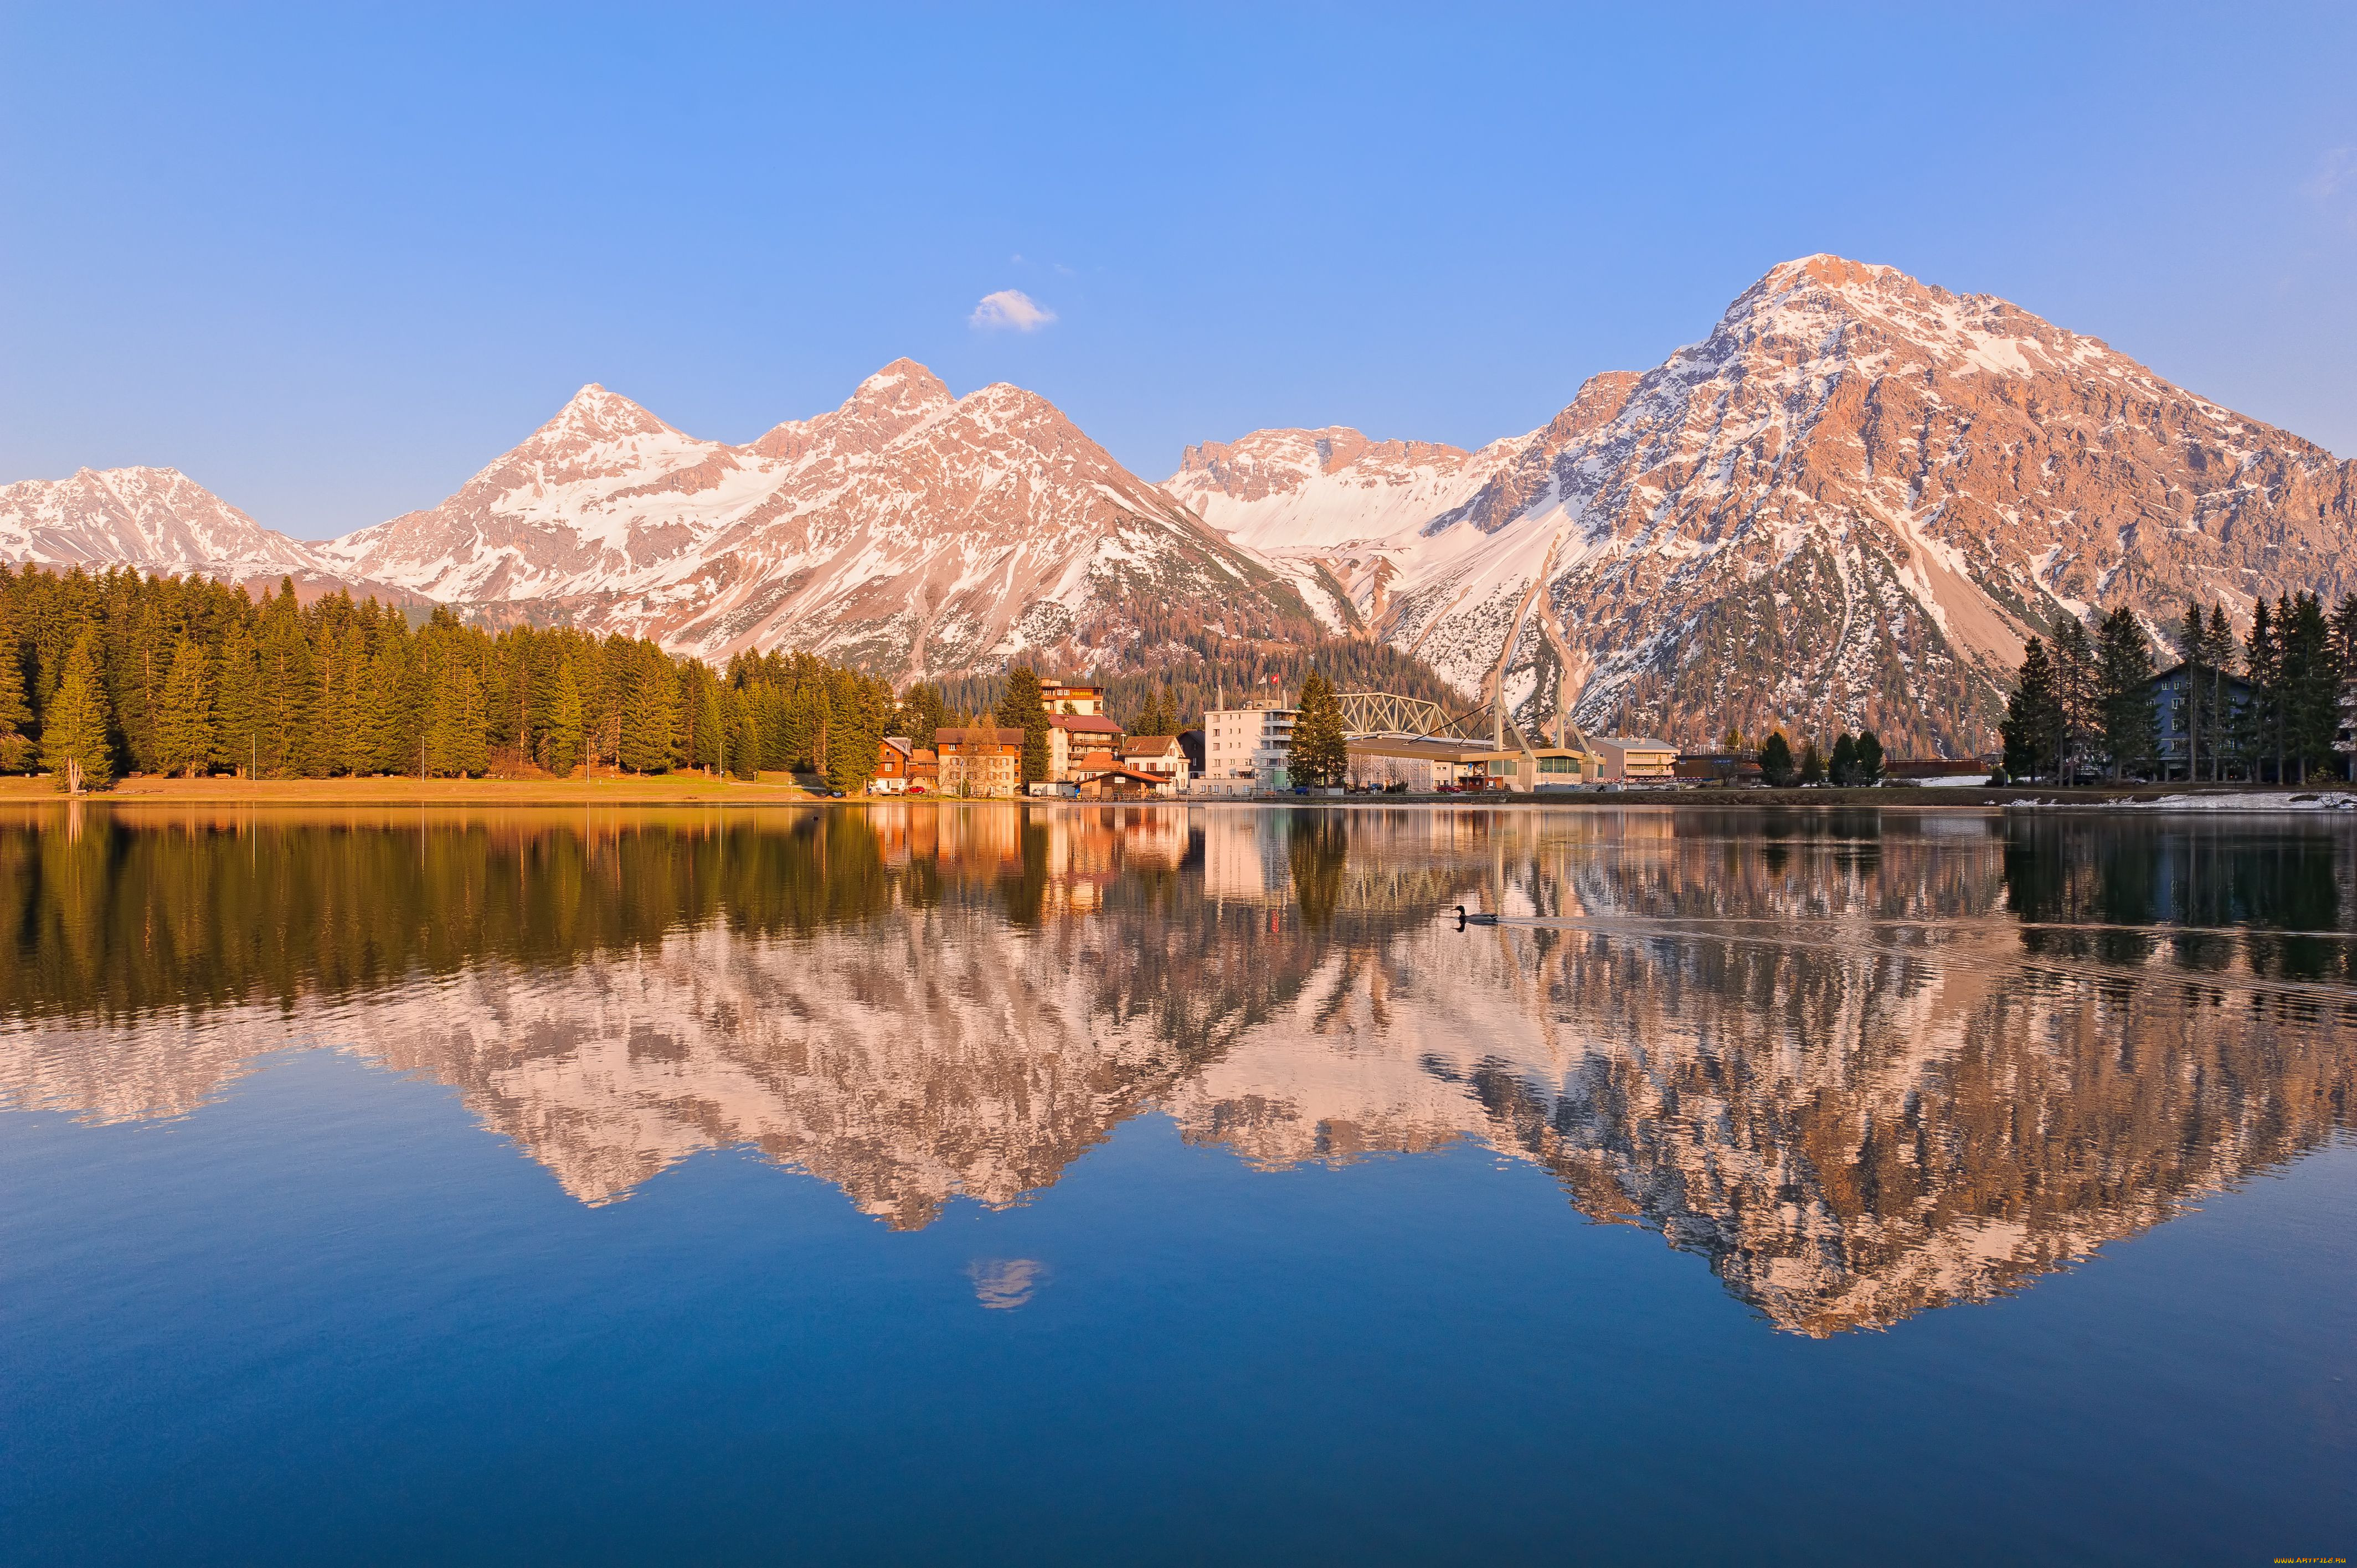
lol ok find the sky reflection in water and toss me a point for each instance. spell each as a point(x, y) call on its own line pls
point(1863, 1065)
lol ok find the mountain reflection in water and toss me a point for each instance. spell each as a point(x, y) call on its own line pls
point(1866, 1063)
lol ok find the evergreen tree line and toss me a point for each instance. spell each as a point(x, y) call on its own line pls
point(2086, 705)
point(1855, 760)
point(112, 672)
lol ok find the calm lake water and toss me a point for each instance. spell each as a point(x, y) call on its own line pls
point(986, 1184)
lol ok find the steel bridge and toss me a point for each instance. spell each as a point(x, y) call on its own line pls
point(1387, 712)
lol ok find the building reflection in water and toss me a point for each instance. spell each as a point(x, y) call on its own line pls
point(1865, 1063)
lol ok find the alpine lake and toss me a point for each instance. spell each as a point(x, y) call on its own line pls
point(1177, 1184)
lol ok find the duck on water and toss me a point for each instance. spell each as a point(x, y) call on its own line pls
point(1464, 919)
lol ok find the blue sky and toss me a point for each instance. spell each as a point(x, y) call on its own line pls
point(329, 262)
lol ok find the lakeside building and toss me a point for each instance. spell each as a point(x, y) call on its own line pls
point(1162, 755)
point(1077, 734)
point(2172, 699)
point(1637, 759)
point(1078, 698)
point(1420, 764)
point(892, 766)
point(924, 771)
point(980, 761)
point(1718, 768)
point(1540, 767)
point(1248, 748)
point(1101, 775)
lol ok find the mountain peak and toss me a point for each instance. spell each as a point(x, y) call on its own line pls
point(903, 383)
point(1838, 274)
point(602, 415)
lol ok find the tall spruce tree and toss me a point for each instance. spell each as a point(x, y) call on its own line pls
point(1843, 765)
point(1023, 708)
point(2311, 679)
point(2077, 716)
point(237, 699)
point(1320, 753)
point(16, 747)
point(2131, 725)
point(1866, 767)
point(2033, 724)
point(644, 745)
point(184, 730)
point(1776, 760)
point(560, 726)
point(2263, 664)
point(77, 739)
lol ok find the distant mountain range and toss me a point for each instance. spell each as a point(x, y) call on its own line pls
point(1848, 504)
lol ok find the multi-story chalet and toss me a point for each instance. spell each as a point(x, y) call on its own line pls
point(892, 766)
point(1161, 755)
point(1077, 734)
point(2201, 741)
point(924, 771)
point(980, 761)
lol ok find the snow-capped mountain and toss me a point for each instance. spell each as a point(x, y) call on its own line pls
point(914, 531)
point(1848, 504)
point(157, 519)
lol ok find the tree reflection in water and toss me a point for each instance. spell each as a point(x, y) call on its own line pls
point(1866, 1063)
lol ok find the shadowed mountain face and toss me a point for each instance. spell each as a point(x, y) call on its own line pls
point(1864, 1064)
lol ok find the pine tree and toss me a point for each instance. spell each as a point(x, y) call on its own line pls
point(184, 729)
point(2263, 662)
point(2033, 723)
point(16, 747)
point(237, 709)
point(1159, 716)
point(76, 738)
point(2344, 658)
point(382, 744)
point(2130, 726)
point(1023, 708)
point(1812, 764)
point(1320, 753)
point(2076, 709)
point(647, 721)
point(1866, 767)
point(921, 714)
point(560, 729)
point(1776, 760)
point(285, 693)
point(453, 743)
point(2311, 681)
point(1844, 767)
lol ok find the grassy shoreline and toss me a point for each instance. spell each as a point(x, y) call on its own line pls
point(780, 790)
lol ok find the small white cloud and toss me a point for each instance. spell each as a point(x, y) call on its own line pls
point(1010, 308)
point(1063, 271)
point(1017, 258)
point(2336, 174)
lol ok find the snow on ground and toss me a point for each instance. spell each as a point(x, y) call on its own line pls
point(2252, 801)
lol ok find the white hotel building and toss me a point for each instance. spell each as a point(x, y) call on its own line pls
point(1248, 748)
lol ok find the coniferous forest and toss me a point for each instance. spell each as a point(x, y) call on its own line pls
point(103, 674)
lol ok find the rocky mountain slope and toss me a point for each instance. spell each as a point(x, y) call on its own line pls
point(157, 520)
point(135, 516)
point(908, 531)
point(1847, 505)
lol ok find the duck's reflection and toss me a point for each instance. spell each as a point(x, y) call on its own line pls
point(1864, 1064)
